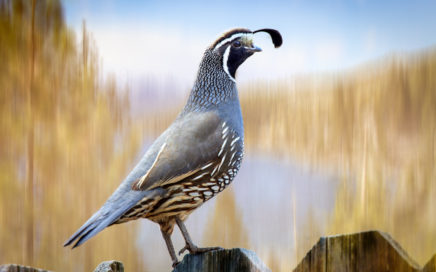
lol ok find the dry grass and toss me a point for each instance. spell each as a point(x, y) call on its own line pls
point(66, 124)
point(375, 126)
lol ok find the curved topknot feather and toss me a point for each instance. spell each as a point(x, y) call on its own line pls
point(276, 37)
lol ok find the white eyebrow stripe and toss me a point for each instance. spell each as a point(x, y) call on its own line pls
point(225, 66)
point(231, 38)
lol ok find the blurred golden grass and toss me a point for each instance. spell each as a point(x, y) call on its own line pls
point(225, 227)
point(57, 105)
point(375, 127)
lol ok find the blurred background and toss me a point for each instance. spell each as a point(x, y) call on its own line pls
point(340, 124)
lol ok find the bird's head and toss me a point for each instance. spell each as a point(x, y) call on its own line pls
point(236, 45)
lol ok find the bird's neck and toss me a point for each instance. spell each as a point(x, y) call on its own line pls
point(213, 86)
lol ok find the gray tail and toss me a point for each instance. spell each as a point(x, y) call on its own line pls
point(117, 205)
point(94, 225)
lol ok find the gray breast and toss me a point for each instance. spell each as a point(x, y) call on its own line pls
point(215, 176)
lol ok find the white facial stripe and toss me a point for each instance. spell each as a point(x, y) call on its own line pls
point(225, 58)
point(231, 38)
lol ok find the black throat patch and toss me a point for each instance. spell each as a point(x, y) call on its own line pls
point(236, 57)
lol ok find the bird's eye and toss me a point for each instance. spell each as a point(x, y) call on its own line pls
point(236, 44)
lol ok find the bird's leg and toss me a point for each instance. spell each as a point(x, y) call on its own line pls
point(193, 249)
point(170, 247)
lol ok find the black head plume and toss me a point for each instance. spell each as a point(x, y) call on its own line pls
point(236, 45)
point(274, 34)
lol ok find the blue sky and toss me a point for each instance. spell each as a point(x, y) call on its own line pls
point(166, 38)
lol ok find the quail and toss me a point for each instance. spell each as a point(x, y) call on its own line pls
point(195, 158)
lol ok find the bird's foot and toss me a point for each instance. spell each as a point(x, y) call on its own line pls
point(194, 249)
point(175, 263)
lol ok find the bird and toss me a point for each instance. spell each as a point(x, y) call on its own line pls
point(195, 158)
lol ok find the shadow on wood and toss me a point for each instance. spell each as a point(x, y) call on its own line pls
point(364, 251)
point(236, 259)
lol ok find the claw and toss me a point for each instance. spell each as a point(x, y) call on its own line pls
point(175, 264)
point(197, 250)
point(183, 249)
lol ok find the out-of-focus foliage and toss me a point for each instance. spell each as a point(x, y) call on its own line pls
point(376, 127)
point(225, 227)
point(82, 141)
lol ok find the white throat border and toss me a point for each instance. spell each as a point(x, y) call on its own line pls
point(225, 65)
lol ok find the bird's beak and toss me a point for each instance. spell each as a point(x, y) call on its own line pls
point(253, 49)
